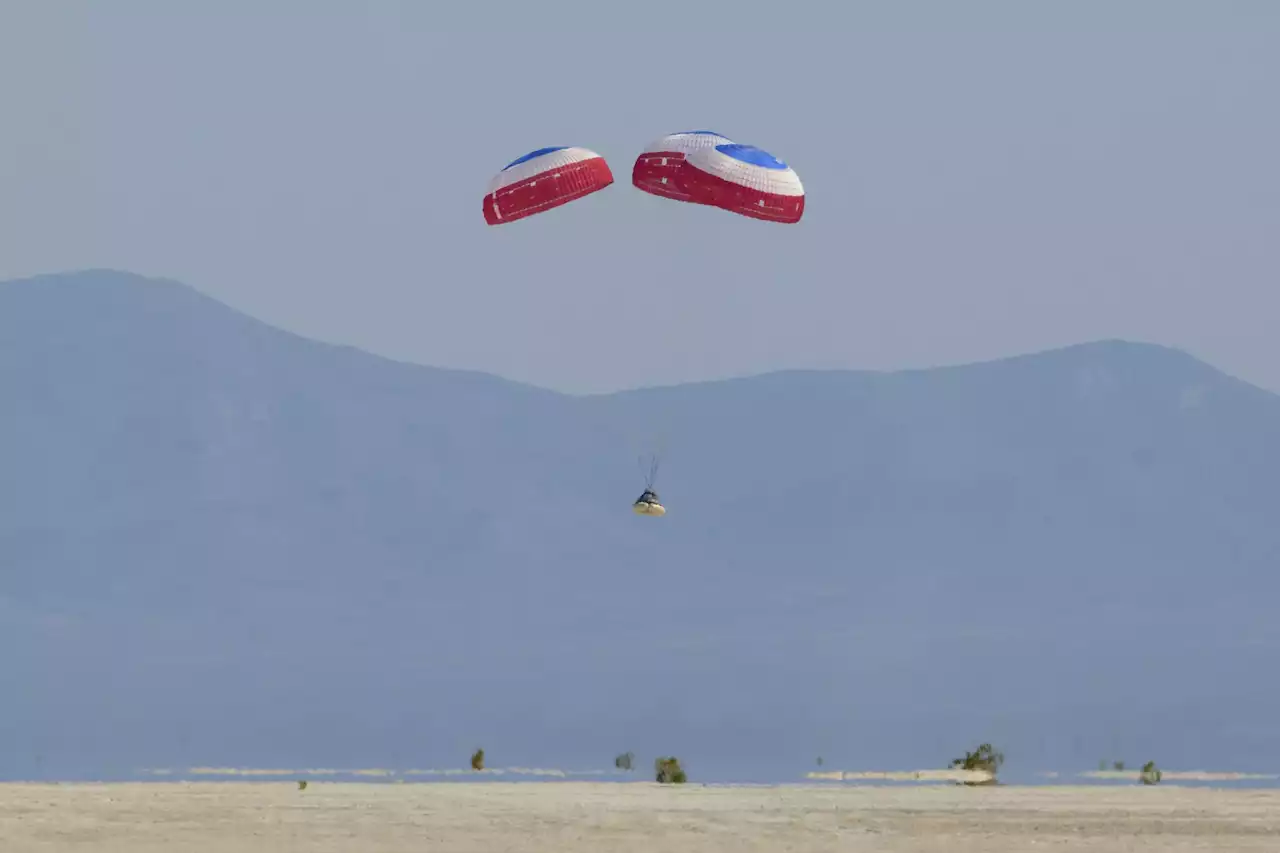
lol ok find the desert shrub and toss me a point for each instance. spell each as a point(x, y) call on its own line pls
point(302, 784)
point(624, 761)
point(1151, 774)
point(669, 771)
point(985, 757)
point(477, 760)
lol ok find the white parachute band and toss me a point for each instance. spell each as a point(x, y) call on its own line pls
point(686, 142)
point(547, 162)
point(772, 181)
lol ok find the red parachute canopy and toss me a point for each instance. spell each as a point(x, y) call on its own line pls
point(542, 180)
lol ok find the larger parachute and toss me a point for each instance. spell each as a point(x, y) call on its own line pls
point(542, 180)
point(746, 180)
point(659, 168)
point(706, 167)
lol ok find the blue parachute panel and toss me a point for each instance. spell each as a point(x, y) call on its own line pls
point(533, 154)
point(753, 155)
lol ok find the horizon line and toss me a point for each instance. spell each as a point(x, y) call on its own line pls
point(632, 389)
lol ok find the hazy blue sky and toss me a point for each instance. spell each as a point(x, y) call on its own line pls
point(983, 178)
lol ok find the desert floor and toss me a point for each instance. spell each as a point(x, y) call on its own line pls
point(607, 817)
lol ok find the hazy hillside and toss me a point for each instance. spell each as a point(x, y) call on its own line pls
point(222, 543)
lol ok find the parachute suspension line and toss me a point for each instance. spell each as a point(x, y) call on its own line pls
point(650, 472)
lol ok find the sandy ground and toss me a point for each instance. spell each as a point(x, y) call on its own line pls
point(572, 816)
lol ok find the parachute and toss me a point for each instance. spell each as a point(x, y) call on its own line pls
point(658, 169)
point(744, 179)
point(706, 167)
point(542, 180)
point(648, 502)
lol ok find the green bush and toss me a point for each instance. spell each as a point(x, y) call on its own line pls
point(985, 757)
point(1151, 774)
point(669, 771)
point(624, 761)
point(477, 760)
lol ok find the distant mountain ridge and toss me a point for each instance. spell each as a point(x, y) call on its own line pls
point(221, 543)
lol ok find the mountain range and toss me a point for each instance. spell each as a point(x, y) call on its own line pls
point(222, 543)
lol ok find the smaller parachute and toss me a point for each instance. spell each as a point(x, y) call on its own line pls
point(657, 170)
point(542, 180)
point(648, 502)
point(746, 180)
